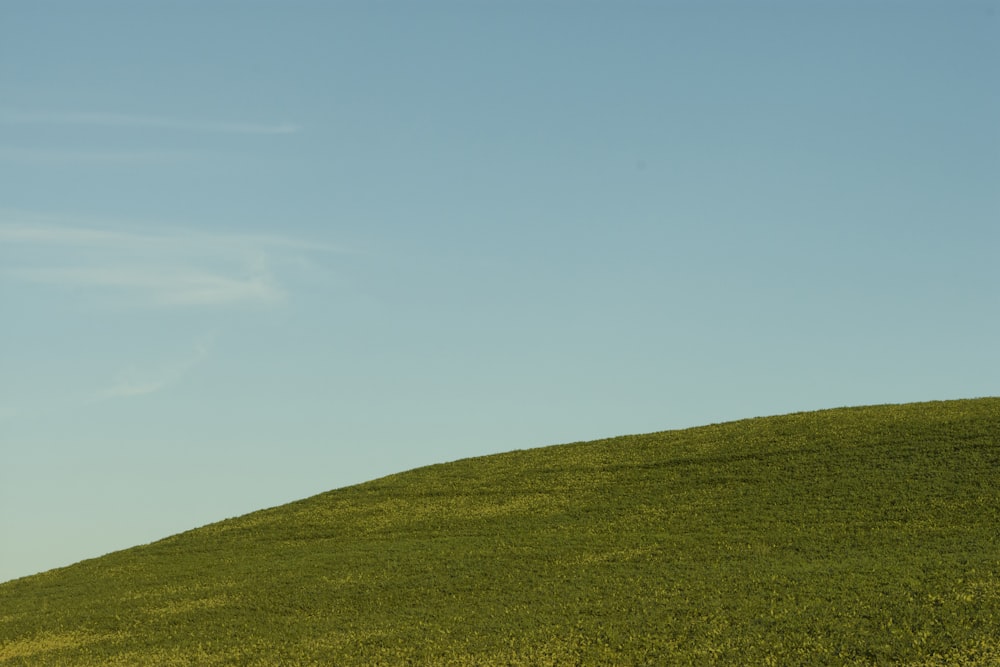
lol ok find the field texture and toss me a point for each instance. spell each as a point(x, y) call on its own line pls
point(854, 536)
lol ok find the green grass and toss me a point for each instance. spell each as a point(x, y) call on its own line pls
point(853, 536)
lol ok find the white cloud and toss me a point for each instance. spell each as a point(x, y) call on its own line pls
point(18, 227)
point(134, 381)
point(40, 232)
point(162, 286)
point(125, 386)
point(11, 116)
point(172, 267)
point(66, 157)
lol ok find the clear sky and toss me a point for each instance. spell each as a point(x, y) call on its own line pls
point(252, 251)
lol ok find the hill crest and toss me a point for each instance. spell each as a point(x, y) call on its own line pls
point(843, 536)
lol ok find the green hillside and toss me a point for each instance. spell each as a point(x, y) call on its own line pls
point(850, 536)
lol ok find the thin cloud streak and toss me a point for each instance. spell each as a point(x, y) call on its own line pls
point(25, 229)
point(61, 157)
point(58, 235)
point(127, 120)
point(133, 382)
point(174, 268)
point(162, 286)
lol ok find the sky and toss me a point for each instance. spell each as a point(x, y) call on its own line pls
point(253, 251)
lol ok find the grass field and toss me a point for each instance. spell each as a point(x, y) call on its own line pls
point(855, 536)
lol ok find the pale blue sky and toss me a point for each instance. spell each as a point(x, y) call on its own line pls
point(252, 251)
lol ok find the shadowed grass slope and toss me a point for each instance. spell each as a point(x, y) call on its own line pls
point(850, 536)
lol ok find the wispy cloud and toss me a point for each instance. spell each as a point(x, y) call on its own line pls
point(22, 229)
point(140, 381)
point(13, 116)
point(163, 286)
point(38, 156)
point(174, 268)
point(17, 226)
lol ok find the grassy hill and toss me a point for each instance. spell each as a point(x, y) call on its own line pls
point(850, 536)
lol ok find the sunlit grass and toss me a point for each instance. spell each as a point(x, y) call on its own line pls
point(843, 537)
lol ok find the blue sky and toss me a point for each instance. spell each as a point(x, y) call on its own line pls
point(252, 251)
